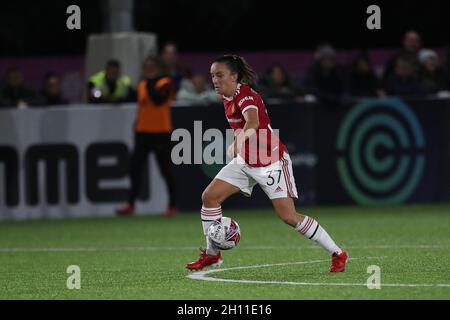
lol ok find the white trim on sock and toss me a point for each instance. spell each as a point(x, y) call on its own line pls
point(208, 209)
point(308, 227)
point(208, 216)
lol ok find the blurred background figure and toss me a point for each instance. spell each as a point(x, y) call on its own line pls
point(404, 81)
point(110, 86)
point(362, 81)
point(152, 131)
point(412, 43)
point(14, 92)
point(434, 79)
point(277, 84)
point(324, 77)
point(200, 92)
point(51, 93)
point(180, 73)
point(169, 56)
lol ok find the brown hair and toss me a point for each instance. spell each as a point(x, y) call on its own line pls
point(238, 65)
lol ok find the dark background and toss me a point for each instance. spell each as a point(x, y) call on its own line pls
point(30, 28)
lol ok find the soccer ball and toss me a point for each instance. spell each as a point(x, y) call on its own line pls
point(224, 233)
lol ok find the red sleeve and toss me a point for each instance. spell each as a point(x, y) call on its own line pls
point(246, 100)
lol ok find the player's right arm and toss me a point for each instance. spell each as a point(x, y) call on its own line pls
point(250, 127)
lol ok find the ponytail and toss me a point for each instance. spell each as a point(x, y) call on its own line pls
point(238, 65)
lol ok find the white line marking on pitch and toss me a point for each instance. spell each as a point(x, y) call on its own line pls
point(202, 275)
point(171, 248)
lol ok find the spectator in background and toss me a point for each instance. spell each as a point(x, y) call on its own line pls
point(404, 81)
point(51, 93)
point(186, 77)
point(14, 92)
point(434, 79)
point(200, 93)
point(362, 81)
point(169, 56)
point(324, 78)
point(412, 43)
point(109, 86)
point(320, 49)
point(278, 85)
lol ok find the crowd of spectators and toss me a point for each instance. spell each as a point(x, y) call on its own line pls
point(15, 93)
point(413, 71)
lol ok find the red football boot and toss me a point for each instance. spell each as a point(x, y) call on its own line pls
point(170, 212)
point(128, 209)
point(205, 260)
point(338, 262)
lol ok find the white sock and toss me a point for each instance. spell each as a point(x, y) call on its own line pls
point(209, 215)
point(311, 229)
point(211, 248)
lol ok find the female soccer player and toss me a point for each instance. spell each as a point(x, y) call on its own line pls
point(259, 157)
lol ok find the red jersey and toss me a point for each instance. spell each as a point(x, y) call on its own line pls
point(264, 147)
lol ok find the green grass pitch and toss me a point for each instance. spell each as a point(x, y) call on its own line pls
point(143, 257)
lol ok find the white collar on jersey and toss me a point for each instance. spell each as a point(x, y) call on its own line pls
point(238, 88)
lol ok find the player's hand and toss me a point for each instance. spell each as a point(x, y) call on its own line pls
point(231, 152)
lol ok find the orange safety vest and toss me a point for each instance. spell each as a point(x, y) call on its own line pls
point(152, 118)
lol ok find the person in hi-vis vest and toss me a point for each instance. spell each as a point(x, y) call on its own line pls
point(109, 86)
point(153, 130)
